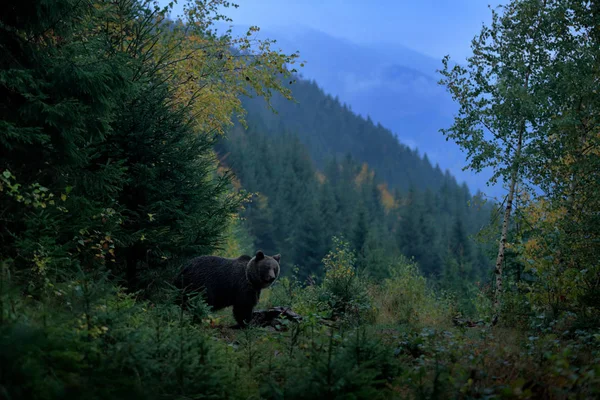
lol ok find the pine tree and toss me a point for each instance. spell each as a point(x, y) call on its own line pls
point(361, 229)
point(378, 253)
point(59, 92)
point(328, 212)
point(409, 237)
point(430, 260)
point(309, 241)
point(260, 224)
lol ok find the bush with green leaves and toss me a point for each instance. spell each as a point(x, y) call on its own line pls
point(343, 290)
point(406, 298)
point(286, 291)
point(499, 363)
point(341, 364)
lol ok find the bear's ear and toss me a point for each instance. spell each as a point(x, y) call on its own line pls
point(277, 257)
point(259, 255)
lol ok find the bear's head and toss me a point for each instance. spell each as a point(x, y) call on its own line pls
point(262, 270)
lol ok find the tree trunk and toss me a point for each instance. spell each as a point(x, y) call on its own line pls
point(502, 247)
point(511, 194)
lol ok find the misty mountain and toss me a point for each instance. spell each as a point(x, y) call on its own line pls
point(394, 86)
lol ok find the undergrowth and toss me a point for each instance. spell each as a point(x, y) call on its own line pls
point(86, 338)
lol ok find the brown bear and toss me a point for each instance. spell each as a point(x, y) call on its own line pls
point(228, 282)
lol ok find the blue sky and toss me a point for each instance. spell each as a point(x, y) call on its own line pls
point(432, 27)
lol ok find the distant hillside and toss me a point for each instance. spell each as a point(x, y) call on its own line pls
point(329, 128)
point(395, 86)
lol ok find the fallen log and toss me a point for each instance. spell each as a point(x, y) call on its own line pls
point(274, 317)
point(463, 322)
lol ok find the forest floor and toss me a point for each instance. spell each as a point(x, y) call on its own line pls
point(430, 361)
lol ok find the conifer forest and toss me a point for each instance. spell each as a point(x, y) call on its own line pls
point(132, 142)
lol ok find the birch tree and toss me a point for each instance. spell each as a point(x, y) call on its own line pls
point(497, 116)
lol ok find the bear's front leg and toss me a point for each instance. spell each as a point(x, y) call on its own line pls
point(242, 315)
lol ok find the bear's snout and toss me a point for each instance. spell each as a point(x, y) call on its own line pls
point(270, 277)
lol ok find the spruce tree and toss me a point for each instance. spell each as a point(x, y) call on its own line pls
point(360, 229)
point(59, 92)
point(175, 206)
point(259, 218)
point(409, 237)
point(328, 212)
point(309, 240)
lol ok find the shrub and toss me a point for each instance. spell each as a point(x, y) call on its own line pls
point(343, 291)
point(405, 297)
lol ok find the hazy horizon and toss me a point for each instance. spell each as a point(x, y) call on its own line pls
point(431, 27)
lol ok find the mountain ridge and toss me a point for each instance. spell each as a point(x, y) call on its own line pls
point(330, 128)
point(395, 87)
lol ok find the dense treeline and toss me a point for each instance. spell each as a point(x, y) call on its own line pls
point(297, 209)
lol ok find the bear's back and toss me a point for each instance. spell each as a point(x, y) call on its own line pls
point(223, 279)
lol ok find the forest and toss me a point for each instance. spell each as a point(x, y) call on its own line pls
point(132, 142)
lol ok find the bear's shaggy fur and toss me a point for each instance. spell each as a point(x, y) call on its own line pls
point(228, 282)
